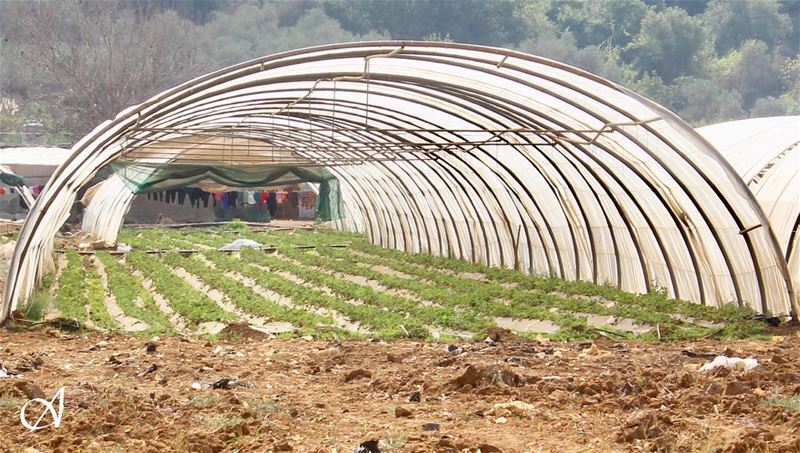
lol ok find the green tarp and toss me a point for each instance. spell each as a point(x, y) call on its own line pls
point(10, 179)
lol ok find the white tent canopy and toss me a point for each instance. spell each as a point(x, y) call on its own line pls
point(484, 154)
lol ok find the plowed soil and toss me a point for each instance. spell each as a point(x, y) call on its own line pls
point(266, 394)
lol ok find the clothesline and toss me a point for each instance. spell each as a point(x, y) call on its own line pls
point(227, 200)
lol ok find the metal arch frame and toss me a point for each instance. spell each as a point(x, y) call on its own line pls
point(100, 148)
point(659, 240)
point(666, 256)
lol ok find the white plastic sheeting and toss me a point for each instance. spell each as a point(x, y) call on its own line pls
point(766, 152)
point(484, 154)
point(106, 210)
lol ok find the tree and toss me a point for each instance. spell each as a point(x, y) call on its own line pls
point(599, 22)
point(564, 49)
point(703, 101)
point(670, 44)
point(253, 31)
point(91, 60)
point(732, 22)
point(652, 87)
point(475, 21)
point(790, 74)
point(751, 71)
point(770, 106)
point(692, 7)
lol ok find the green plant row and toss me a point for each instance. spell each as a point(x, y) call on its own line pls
point(79, 286)
point(655, 300)
point(36, 306)
point(193, 305)
point(465, 303)
point(469, 307)
point(96, 298)
point(456, 299)
point(432, 316)
point(653, 307)
point(242, 296)
point(494, 290)
point(71, 295)
point(385, 324)
point(127, 288)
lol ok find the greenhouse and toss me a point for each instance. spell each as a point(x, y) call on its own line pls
point(483, 154)
point(766, 153)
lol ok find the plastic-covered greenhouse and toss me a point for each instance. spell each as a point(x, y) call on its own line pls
point(766, 153)
point(483, 154)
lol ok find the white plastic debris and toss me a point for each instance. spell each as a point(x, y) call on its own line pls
point(239, 244)
point(124, 248)
point(734, 363)
point(197, 385)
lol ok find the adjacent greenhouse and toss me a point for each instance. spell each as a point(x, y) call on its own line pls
point(483, 154)
point(766, 153)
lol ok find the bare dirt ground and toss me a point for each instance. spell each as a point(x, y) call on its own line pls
point(266, 394)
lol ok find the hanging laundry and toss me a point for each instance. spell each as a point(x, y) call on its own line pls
point(193, 198)
point(308, 200)
point(272, 204)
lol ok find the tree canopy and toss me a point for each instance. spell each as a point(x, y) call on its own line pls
point(70, 64)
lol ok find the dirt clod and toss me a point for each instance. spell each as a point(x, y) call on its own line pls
point(500, 335)
point(369, 446)
point(357, 374)
point(204, 444)
point(30, 390)
point(241, 330)
point(736, 388)
point(644, 425)
point(478, 375)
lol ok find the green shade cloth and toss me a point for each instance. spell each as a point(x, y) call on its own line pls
point(145, 177)
point(10, 179)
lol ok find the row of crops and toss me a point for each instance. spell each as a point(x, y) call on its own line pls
point(330, 284)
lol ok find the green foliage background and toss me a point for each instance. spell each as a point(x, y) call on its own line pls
point(72, 64)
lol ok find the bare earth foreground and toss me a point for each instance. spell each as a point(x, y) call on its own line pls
point(187, 394)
